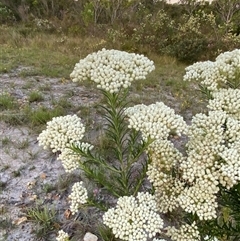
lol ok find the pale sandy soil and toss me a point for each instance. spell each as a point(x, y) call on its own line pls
point(24, 171)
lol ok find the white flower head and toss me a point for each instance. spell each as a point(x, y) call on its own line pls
point(227, 100)
point(156, 120)
point(167, 190)
point(62, 236)
point(78, 197)
point(61, 132)
point(112, 69)
point(230, 169)
point(206, 140)
point(69, 159)
point(213, 75)
point(134, 218)
point(200, 199)
point(184, 232)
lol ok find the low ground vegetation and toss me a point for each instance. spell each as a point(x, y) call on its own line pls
point(188, 30)
point(163, 156)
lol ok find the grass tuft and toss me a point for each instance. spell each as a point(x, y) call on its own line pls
point(44, 217)
point(35, 96)
point(7, 102)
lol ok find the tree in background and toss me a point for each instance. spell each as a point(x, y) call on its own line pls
point(190, 30)
point(227, 9)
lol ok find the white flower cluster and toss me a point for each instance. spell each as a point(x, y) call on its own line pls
point(213, 74)
point(69, 159)
point(185, 233)
point(213, 158)
point(200, 168)
point(112, 69)
point(230, 169)
point(134, 218)
point(200, 199)
point(229, 64)
point(232, 132)
point(167, 189)
point(206, 141)
point(164, 155)
point(61, 132)
point(156, 120)
point(226, 100)
point(78, 197)
point(62, 236)
point(84, 146)
point(206, 73)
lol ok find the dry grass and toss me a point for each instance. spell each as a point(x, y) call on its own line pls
point(51, 55)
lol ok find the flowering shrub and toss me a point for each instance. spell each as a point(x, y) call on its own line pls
point(192, 182)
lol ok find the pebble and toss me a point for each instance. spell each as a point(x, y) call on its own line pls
point(90, 237)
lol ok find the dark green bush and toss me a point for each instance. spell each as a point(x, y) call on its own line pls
point(189, 49)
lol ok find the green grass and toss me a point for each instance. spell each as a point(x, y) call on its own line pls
point(46, 55)
point(45, 87)
point(5, 141)
point(35, 96)
point(44, 217)
point(20, 145)
point(63, 102)
point(42, 115)
point(7, 102)
point(3, 185)
point(43, 52)
point(58, 64)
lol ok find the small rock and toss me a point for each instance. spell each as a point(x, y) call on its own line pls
point(90, 237)
point(4, 178)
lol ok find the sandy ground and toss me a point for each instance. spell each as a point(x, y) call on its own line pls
point(26, 169)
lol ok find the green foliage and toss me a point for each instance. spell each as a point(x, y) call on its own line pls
point(6, 15)
point(188, 48)
point(5, 141)
point(44, 217)
point(161, 25)
point(42, 115)
point(7, 102)
point(23, 144)
point(227, 226)
point(106, 233)
point(88, 13)
point(116, 175)
point(35, 96)
point(188, 31)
